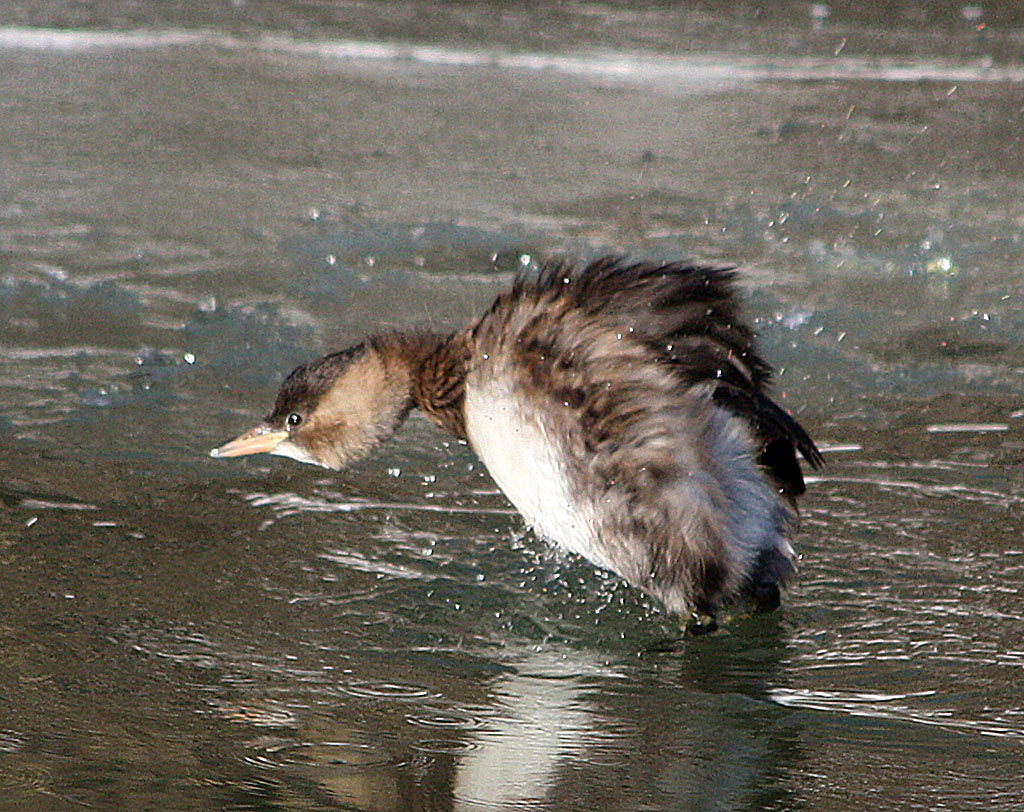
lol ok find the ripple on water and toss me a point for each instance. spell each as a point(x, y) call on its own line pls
point(11, 741)
point(443, 747)
point(361, 755)
point(393, 691)
point(890, 706)
point(446, 720)
point(262, 715)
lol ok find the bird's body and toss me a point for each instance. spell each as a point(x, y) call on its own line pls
point(621, 408)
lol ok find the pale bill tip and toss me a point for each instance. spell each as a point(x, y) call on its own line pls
point(258, 440)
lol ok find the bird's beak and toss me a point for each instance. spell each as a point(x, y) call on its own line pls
point(259, 440)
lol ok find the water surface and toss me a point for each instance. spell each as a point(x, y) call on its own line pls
point(189, 205)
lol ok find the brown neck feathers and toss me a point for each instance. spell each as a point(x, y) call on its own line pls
point(436, 365)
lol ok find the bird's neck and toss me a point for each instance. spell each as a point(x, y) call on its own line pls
point(433, 366)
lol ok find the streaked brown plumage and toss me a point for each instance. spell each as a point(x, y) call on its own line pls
point(621, 407)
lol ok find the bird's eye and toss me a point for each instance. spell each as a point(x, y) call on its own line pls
point(294, 420)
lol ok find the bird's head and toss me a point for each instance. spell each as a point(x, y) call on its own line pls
point(332, 411)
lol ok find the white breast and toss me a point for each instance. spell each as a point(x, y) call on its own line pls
point(526, 464)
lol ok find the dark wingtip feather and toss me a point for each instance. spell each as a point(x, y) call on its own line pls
point(616, 270)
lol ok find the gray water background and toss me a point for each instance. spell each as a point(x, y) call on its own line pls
point(194, 197)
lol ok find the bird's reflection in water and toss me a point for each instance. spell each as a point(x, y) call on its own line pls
point(566, 730)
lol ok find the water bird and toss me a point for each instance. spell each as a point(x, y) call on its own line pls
point(621, 407)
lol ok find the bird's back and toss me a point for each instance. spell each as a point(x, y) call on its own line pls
point(621, 407)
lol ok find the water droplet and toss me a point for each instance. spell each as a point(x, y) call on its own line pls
point(943, 266)
point(972, 13)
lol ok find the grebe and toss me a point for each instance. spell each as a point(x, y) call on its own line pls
point(620, 407)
